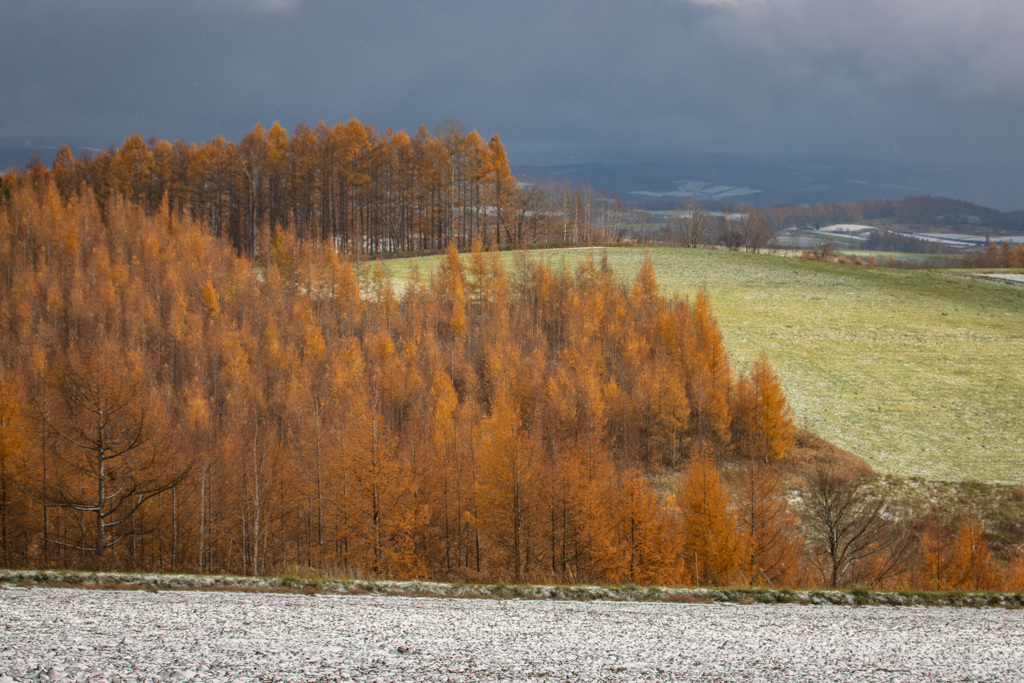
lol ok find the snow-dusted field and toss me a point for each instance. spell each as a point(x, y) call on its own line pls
point(61, 634)
point(1012, 277)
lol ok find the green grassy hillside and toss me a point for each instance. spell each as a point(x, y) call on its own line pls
point(921, 373)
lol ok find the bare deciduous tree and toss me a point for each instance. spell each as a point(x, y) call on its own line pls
point(846, 524)
point(696, 225)
point(756, 234)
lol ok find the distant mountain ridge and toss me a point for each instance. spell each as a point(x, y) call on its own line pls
point(919, 214)
point(718, 178)
point(19, 152)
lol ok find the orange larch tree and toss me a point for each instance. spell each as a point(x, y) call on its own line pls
point(763, 422)
point(936, 548)
point(711, 545)
point(382, 516)
point(771, 539)
point(501, 192)
point(507, 471)
point(971, 561)
point(13, 505)
point(647, 549)
point(111, 451)
point(709, 377)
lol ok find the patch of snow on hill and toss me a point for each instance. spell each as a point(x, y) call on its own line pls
point(1009, 277)
point(700, 190)
point(847, 228)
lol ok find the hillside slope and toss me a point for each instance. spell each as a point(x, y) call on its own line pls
point(918, 372)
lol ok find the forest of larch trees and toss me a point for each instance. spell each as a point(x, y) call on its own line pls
point(201, 371)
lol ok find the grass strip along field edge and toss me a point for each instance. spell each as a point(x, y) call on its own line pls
point(855, 597)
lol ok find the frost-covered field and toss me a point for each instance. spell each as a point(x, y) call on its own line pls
point(78, 635)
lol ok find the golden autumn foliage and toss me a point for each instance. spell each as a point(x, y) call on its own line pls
point(506, 479)
point(711, 544)
point(481, 423)
point(1014, 580)
point(765, 427)
point(648, 544)
point(771, 543)
point(971, 561)
point(363, 190)
point(474, 426)
point(11, 445)
point(709, 376)
point(936, 547)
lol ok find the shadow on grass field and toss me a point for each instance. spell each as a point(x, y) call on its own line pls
point(918, 372)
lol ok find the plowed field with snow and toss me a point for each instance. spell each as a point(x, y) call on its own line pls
point(56, 634)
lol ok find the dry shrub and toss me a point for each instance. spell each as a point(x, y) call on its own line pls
point(301, 571)
point(810, 451)
point(678, 596)
point(329, 572)
point(477, 595)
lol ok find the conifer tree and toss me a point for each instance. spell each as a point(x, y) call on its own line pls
point(711, 546)
point(763, 421)
point(970, 557)
point(11, 445)
point(648, 550)
point(505, 487)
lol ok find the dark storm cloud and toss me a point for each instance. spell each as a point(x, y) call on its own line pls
point(908, 80)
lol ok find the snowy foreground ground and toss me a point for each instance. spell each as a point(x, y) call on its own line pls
point(60, 634)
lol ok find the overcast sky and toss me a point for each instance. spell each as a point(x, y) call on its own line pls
point(933, 81)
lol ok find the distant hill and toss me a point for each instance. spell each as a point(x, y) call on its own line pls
point(734, 179)
point(718, 178)
point(18, 152)
point(921, 214)
point(795, 192)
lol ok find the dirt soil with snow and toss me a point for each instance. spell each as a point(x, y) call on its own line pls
point(61, 634)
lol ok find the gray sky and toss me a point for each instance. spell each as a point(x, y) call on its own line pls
point(919, 81)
